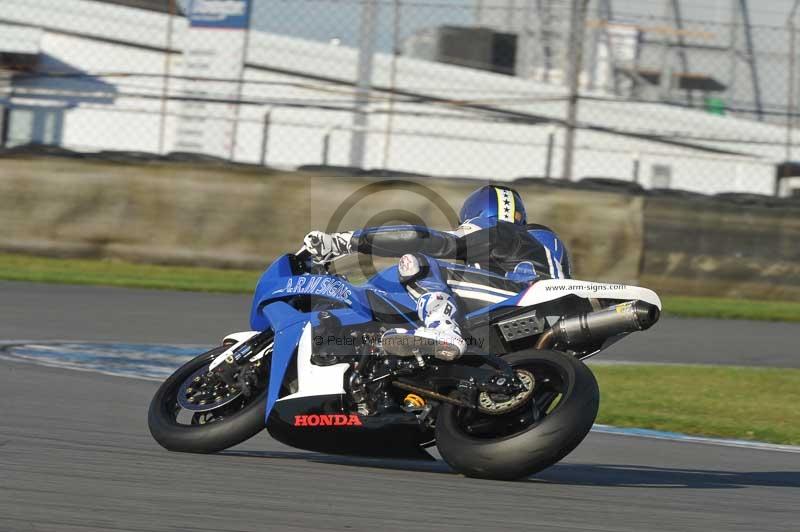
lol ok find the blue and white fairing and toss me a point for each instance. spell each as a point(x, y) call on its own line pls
point(279, 283)
point(292, 327)
point(320, 389)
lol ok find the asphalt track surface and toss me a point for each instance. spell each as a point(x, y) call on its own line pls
point(88, 313)
point(76, 455)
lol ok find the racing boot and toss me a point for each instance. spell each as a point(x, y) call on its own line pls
point(440, 337)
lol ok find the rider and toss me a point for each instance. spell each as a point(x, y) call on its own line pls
point(504, 251)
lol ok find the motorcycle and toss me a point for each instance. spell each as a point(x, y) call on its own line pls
point(312, 372)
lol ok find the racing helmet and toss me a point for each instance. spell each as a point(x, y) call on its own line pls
point(494, 201)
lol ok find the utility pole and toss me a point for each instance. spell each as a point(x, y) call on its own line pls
point(240, 84)
point(366, 50)
point(751, 57)
point(574, 58)
point(166, 79)
point(791, 99)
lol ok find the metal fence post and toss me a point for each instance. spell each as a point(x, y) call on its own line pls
point(548, 164)
point(326, 144)
point(387, 141)
point(240, 82)
point(5, 124)
point(574, 58)
point(366, 50)
point(167, 76)
point(265, 135)
point(790, 104)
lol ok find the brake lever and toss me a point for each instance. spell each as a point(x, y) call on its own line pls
point(307, 257)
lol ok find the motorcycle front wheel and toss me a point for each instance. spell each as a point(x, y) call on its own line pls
point(507, 438)
point(194, 412)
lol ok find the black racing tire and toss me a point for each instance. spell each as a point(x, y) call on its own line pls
point(208, 438)
point(533, 448)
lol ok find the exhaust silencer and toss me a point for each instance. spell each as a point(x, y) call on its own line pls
point(595, 327)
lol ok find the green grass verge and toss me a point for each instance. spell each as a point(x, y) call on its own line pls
point(731, 402)
point(117, 273)
point(717, 307)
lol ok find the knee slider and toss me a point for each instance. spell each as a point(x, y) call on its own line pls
point(412, 267)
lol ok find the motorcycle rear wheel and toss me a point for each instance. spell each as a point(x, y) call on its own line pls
point(234, 424)
point(529, 439)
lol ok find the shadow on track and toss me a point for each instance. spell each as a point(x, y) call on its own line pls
point(423, 466)
point(606, 475)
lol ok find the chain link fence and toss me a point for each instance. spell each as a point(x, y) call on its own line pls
point(668, 94)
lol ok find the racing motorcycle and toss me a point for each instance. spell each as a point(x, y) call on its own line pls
point(312, 372)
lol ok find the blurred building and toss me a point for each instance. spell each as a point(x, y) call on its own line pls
point(678, 51)
point(114, 75)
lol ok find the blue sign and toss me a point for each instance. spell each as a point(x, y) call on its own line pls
point(226, 14)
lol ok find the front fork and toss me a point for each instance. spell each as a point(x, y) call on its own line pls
point(245, 347)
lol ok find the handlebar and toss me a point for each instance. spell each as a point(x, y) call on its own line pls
point(305, 258)
point(303, 254)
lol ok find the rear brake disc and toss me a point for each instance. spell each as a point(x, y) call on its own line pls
point(496, 404)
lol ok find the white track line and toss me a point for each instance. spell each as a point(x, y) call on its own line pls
point(686, 438)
